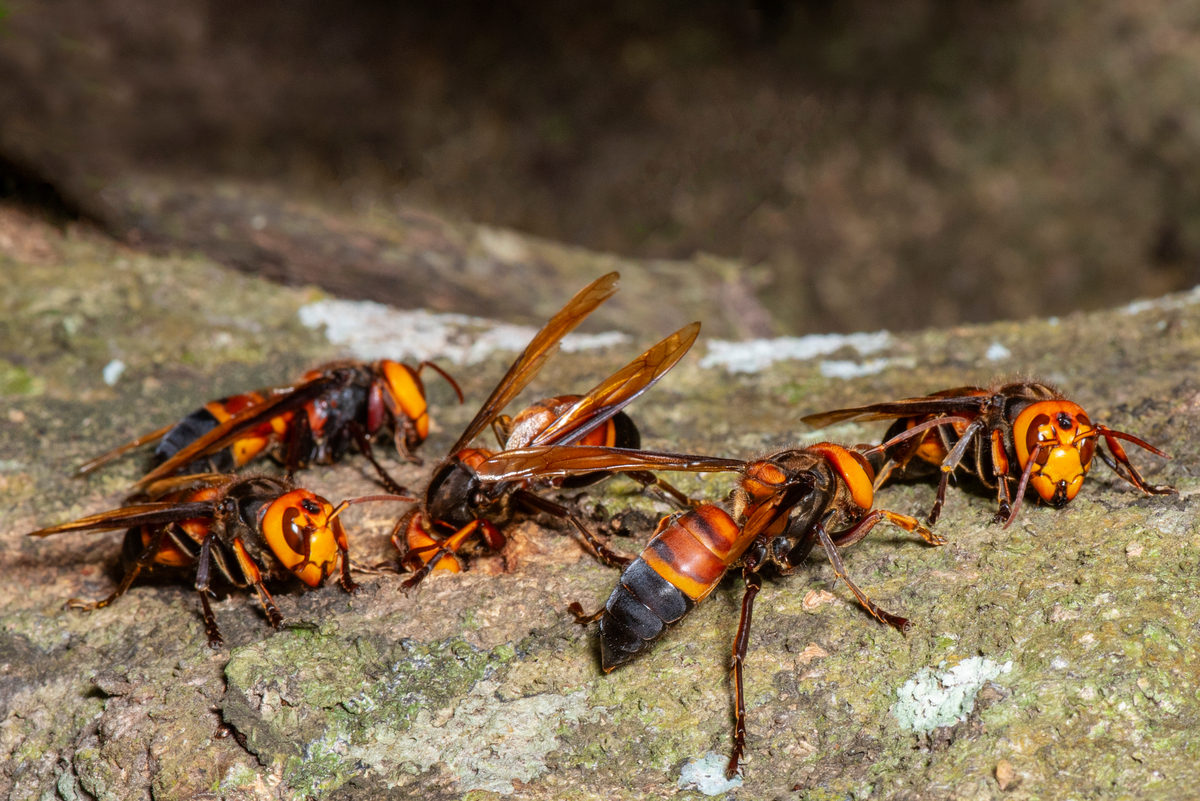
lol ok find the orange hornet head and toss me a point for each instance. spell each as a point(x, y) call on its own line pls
point(298, 528)
point(404, 394)
point(1066, 443)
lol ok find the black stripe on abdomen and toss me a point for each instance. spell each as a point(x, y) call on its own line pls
point(185, 432)
point(640, 610)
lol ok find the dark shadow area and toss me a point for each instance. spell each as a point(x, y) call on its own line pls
point(873, 164)
point(31, 192)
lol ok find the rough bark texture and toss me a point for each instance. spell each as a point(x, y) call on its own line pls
point(480, 683)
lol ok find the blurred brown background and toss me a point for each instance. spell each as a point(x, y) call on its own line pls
point(870, 163)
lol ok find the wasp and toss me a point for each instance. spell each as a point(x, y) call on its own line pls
point(251, 528)
point(1025, 432)
point(787, 502)
point(457, 507)
point(312, 421)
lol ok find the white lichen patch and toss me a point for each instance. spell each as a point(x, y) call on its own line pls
point(503, 246)
point(369, 331)
point(707, 774)
point(1171, 522)
point(932, 699)
point(755, 355)
point(1178, 300)
point(112, 372)
point(848, 369)
point(518, 735)
point(997, 352)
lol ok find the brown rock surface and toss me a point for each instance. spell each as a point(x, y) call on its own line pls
point(480, 683)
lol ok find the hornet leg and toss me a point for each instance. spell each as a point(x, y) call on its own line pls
point(364, 445)
point(863, 527)
point(202, 579)
point(254, 578)
point(602, 552)
point(839, 570)
point(753, 585)
point(144, 559)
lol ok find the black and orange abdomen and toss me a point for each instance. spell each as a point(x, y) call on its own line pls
point(617, 432)
point(181, 544)
point(679, 567)
point(170, 555)
point(211, 415)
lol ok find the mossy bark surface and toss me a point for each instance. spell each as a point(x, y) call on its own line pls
point(479, 684)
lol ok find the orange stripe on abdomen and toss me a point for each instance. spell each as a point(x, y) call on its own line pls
point(695, 550)
point(716, 531)
point(605, 436)
point(227, 407)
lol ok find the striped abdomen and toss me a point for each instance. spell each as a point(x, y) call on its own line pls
point(680, 566)
point(211, 415)
point(181, 545)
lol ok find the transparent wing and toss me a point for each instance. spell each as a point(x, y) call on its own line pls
point(146, 514)
point(618, 390)
point(543, 346)
point(287, 399)
point(567, 460)
point(942, 403)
